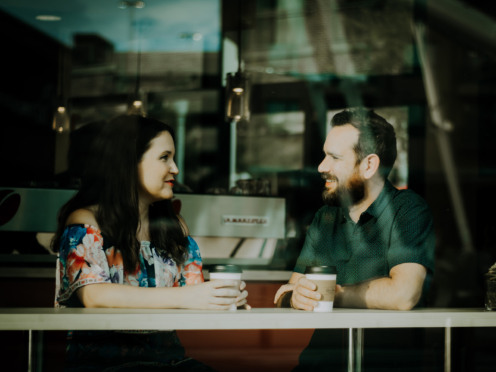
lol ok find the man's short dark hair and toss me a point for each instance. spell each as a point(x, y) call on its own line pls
point(376, 136)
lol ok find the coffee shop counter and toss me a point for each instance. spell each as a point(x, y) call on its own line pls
point(49, 273)
point(256, 318)
point(355, 320)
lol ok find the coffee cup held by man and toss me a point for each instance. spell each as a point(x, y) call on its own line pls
point(380, 239)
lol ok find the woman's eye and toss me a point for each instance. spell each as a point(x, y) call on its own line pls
point(165, 157)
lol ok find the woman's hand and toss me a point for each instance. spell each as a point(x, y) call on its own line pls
point(241, 299)
point(213, 295)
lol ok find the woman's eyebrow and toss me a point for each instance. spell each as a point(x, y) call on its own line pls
point(166, 152)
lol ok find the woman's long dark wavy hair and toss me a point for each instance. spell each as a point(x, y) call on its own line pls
point(110, 182)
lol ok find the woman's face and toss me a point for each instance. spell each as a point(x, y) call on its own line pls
point(157, 170)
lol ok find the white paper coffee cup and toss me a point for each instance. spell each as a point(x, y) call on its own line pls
point(219, 272)
point(324, 277)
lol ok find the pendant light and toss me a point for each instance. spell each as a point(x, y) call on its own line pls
point(61, 120)
point(137, 102)
point(238, 86)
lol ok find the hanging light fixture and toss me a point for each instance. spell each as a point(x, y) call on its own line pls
point(237, 96)
point(137, 103)
point(61, 120)
point(238, 86)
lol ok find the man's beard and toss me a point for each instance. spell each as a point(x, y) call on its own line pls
point(347, 194)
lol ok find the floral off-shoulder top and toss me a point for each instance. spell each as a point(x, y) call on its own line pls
point(86, 257)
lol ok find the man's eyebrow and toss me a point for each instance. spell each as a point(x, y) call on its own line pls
point(332, 154)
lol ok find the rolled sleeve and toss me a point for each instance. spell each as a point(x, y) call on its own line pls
point(412, 238)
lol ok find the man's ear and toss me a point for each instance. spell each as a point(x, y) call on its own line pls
point(370, 166)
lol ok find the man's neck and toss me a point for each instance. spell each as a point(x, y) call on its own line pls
point(372, 190)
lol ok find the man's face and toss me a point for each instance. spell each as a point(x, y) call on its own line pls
point(345, 186)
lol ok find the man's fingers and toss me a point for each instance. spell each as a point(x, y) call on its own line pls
point(309, 293)
point(304, 282)
point(301, 306)
point(306, 301)
point(279, 292)
point(285, 288)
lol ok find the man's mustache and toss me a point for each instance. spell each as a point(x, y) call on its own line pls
point(328, 176)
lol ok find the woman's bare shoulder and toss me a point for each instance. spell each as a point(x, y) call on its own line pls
point(183, 225)
point(83, 216)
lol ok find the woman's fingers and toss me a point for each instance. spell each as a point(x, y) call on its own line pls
point(241, 302)
point(226, 292)
point(242, 295)
point(242, 286)
point(218, 307)
point(225, 283)
point(223, 300)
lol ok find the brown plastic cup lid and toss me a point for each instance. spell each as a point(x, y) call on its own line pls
point(322, 270)
point(227, 269)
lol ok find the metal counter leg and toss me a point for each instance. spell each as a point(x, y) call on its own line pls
point(30, 351)
point(447, 349)
point(355, 349)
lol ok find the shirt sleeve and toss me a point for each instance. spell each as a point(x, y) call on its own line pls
point(191, 270)
point(82, 261)
point(412, 237)
point(308, 252)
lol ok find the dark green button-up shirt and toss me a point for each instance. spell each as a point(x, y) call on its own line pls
point(397, 228)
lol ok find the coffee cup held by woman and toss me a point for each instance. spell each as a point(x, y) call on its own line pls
point(121, 244)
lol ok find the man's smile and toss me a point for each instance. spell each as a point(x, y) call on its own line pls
point(330, 183)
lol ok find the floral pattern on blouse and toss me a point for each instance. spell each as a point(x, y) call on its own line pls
point(87, 258)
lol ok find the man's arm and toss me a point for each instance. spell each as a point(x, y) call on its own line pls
point(401, 291)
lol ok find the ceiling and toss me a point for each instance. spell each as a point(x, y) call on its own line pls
point(162, 25)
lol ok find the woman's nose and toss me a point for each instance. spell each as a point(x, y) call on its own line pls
point(174, 169)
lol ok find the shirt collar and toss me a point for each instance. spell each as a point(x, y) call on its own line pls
point(377, 207)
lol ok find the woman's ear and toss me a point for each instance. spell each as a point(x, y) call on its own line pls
point(371, 166)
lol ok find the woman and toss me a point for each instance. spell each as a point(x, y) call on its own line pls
point(120, 232)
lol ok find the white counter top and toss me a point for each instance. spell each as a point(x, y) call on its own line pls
point(260, 318)
point(49, 273)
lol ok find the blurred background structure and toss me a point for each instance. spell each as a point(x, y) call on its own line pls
point(427, 66)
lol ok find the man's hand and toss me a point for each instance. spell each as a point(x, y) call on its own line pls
point(304, 295)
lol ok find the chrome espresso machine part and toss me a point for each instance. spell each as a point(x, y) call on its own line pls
point(233, 229)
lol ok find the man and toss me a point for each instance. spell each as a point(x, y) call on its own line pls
point(380, 239)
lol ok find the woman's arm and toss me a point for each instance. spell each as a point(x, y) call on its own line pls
point(205, 296)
